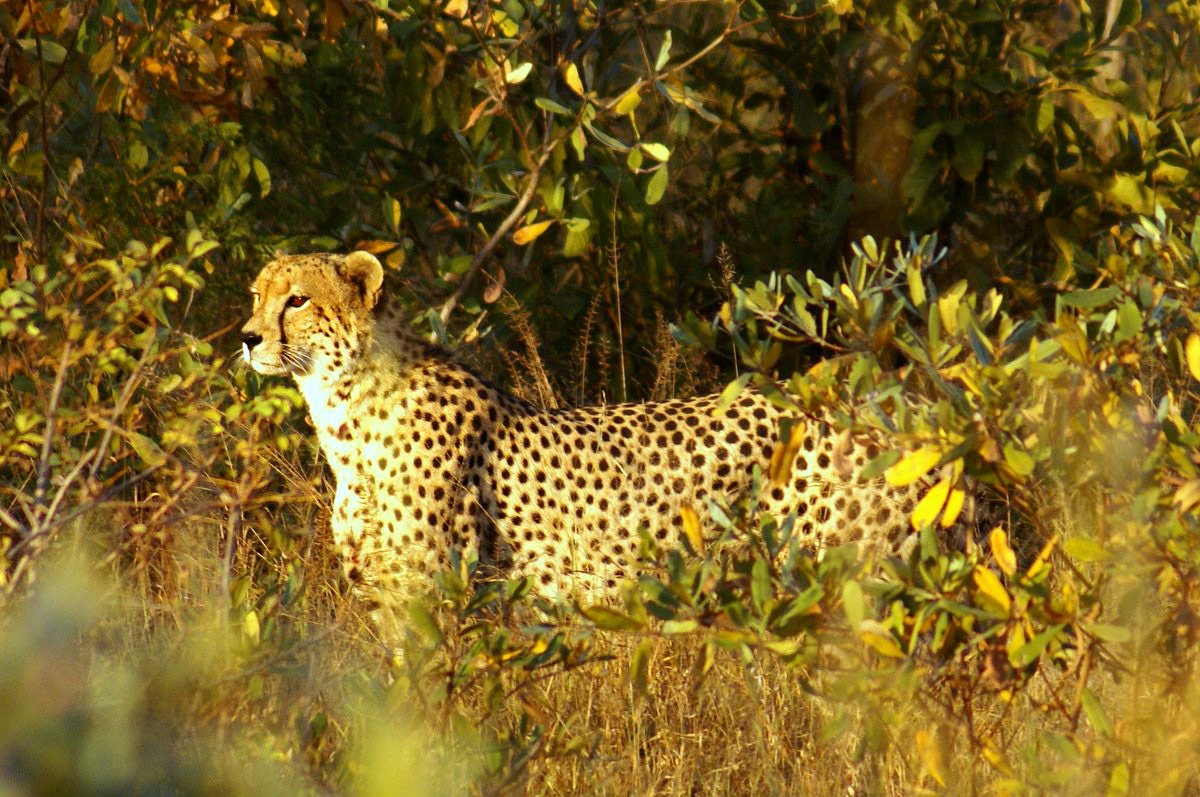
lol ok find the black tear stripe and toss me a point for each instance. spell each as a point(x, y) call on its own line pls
point(282, 332)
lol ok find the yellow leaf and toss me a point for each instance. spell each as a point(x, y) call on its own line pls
point(931, 755)
point(928, 507)
point(954, 505)
point(628, 102)
point(691, 528)
point(376, 247)
point(455, 8)
point(1193, 355)
point(1187, 495)
point(1001, 551)
point(990, 587)
point(996, 758)
point(913, 466)
point(571, 75)
point(879, 639)
point(1043, 557)
point(780, 469)
point(250, 626)
point(530, 232)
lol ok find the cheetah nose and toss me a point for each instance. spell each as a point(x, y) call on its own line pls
point(251, 339)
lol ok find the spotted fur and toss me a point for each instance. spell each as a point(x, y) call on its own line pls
point(428, 457)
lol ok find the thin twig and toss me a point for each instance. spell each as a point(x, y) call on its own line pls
point(615, 256)
point(506, 225)
point(10, 521)
point(118, 408)
point(43, 479)
point(80, 509)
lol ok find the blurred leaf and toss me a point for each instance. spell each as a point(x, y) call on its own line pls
point(691, 528)
point(674, 627)
point(1001, 552)
point(1028, 653)
point(1085, 549)
point(913, 466)
point(954, 505)
point(879, 639)
point(51, 51)
point(422, 619)
point(639, 666)
point(852, 601)
point(989, 586)
point(930, 753)
point(1109, 633)
point(1021, 463)
point(1090, 298)
point(1095, 713)
point(610, 619)
point(1193, 355)
point(930, 504)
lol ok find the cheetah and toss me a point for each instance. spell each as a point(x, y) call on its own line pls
point(430, 458)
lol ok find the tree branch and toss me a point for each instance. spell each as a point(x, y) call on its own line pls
point(482, 255)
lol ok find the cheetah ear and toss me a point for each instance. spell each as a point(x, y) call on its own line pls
point(363, 271)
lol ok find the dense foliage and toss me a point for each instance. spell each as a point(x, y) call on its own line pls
point(578, 176)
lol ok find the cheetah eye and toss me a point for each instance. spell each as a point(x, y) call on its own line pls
point(297, 301)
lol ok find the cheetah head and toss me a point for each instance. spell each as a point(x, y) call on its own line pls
point(312, 313)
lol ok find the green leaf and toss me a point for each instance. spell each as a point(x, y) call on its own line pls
point(1096, 716)
point(578, 142)
point(611, 620)
point(146, 449)
point(664, 52)
point(968, 155)
point(1085, 549)
point(852, 602)
point(518, 74)
point(672, 627)
point(639, 666)
point(1029, 652)
point(102, 60)
point(657, 186)
point(422, 619)
point(52, 51)
point(732, 391)
point(879, 464)
point(1109, 633)
point(139, 156)
point(761, 589)
point(1044, 115)
point(659, 152)
point(1092, 298)
point(262, 175)
point(547, 104)
point(1021, 463)
point(606, 139)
